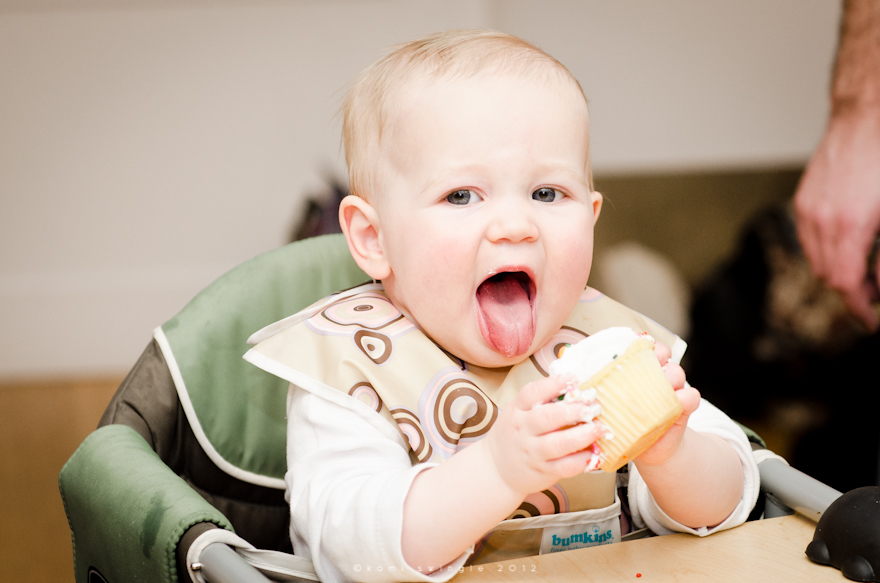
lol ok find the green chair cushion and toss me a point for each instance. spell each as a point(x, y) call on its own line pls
point(130, 509)
point(236, 410)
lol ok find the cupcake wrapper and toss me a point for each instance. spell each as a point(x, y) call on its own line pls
point(638, 404)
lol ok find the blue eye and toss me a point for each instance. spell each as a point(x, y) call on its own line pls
point(545, 194)
point(462, 197)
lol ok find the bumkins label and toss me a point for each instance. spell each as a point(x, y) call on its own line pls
point(578, 536)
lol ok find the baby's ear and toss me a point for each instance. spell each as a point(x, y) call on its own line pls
point(596, 199)
point(360, 225)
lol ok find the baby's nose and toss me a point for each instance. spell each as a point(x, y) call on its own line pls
point(513, 224)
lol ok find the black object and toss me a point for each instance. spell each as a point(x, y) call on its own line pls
point(848, 535)
point(764, 331)
point(321, 216)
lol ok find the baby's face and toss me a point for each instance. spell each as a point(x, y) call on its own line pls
point(485, 213)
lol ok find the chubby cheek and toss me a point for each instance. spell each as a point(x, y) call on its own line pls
point(568, 269)
point(437, 276)
point(571, 263)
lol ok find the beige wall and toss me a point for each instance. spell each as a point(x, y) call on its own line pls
point(148, 146)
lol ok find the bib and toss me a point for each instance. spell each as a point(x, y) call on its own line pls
point(356, 345)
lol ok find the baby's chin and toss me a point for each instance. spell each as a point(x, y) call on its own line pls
point(485, 356)
point(498, 360)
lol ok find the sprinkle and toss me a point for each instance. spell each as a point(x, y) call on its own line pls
point(565, 391)
point(638, 574)
point(596, 458)
point(593, 464)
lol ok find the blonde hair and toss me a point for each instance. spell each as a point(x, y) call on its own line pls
point(445, 55)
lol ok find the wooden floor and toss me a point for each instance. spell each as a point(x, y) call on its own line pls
point(41, 424)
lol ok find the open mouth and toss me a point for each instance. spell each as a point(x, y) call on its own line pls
point(506, 302)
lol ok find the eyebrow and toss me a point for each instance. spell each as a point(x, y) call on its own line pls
point(450, 174)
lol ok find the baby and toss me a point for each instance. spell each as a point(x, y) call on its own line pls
point(423, 428)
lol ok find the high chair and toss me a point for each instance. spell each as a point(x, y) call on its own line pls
point(191, 448)
point(194, 439)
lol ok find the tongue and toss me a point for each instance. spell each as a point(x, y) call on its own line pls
point(507, 315)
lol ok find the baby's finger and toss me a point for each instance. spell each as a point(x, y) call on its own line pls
point(555, 415)
point(564, 442)
point(545, 390)
point(574, 464)
point(663, 352)
point(675, 375)
point(690, 399)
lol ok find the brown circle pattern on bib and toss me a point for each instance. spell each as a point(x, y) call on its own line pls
point(409, 426)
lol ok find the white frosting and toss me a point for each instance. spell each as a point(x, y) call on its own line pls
point(584, 360)
point(593, 353)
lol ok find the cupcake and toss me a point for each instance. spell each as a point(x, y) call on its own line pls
point(625, 388)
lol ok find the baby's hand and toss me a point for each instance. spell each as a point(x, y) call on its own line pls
point(538, 440)
point(668, 444)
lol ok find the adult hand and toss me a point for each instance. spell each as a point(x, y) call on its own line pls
point(838, 208)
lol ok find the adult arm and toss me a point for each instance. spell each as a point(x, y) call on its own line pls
point(838, 200)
